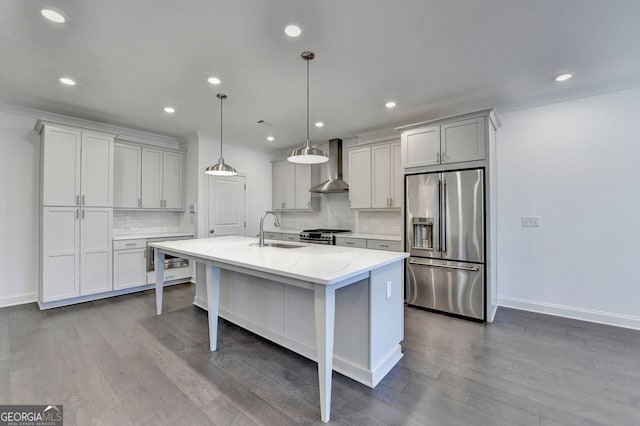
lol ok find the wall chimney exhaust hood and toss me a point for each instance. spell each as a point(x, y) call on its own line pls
point(335, 182)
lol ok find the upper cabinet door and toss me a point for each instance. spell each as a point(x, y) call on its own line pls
point(152, 178)
point(397, 177)
point(172, 180)
point(380, 176)
point(360, 178)
point(302, 186)
point(127, 176)
point(61, 166)
point(463, 140)
point(96, 170)
point(421, 147)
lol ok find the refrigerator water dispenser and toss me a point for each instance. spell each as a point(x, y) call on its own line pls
point(422, 233)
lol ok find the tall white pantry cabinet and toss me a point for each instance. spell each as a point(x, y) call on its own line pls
point(77, 212)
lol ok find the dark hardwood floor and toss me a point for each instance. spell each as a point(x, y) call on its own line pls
point(114, 362)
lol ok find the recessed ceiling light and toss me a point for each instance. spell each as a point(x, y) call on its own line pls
point(390, 104)
point(319, 124)
point(564, 77)
point(292, 30)
point(214, 80)
point(270, 138)
point(67, 81)
point(169, 110)
point(53, 16)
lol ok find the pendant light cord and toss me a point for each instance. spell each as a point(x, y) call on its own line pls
point(221, 126)
point(307, 61)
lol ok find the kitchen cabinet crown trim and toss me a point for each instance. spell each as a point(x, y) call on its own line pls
point(41, 124)
point(491, 113)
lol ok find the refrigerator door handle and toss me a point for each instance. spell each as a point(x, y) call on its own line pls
point(440, 215)
point(436, 265)
point(443, 219)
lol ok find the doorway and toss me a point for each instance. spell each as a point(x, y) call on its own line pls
point(227, 205)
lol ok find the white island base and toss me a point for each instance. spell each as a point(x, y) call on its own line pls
point(339, 306)
point(368, 325)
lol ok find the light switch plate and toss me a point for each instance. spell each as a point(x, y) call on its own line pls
point(530, 221)
point(193, 208)
point(388, 289)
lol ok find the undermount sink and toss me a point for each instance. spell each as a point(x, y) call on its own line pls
point(278, 245)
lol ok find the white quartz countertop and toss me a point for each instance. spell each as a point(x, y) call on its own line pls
point(315, 263)
point(149, 235)
point(386, 237)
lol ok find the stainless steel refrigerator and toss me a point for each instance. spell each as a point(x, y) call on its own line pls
point(446, 239)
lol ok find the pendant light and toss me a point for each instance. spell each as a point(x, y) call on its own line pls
point(308, 154)
point(221, 169)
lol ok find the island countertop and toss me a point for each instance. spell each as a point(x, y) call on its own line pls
point(316, 263)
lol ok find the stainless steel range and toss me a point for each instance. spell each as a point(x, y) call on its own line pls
point(321, 236)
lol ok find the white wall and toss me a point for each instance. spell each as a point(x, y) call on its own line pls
point(576, 164)
point(20, 211)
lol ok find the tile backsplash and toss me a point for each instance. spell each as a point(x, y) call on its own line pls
point(335, 213)
point(138, 221)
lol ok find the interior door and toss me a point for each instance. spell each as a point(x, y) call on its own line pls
point(463, 220)
point(227, 212)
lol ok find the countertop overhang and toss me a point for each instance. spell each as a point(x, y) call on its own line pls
point(314, 263)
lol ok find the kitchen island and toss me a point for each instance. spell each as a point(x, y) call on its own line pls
point(305, 297)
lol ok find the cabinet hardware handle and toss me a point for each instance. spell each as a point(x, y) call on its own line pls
point(390, 202)
point(83, 213)
point(160, 203)
point(349, 242)
point(139, 202)
point(83, 200)
point(168, 277)
point(77, 199)
point(384, 245)
point(438, 156)
point(130, 244)
point(77, 213)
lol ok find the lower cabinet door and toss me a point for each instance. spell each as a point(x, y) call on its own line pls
point(60, 253)
point(129, 268)
point(95, 250)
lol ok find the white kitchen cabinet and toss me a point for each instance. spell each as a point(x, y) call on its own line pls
point(421, 147)
point(397, 177)
point(76, 252)
point(77, 167)
point(375, 176)
point(302, 183)
point(449, 142)
point(60, 253)
point(462, 141)
point(291, 184)
point(162, 179)
point(129, 268)
point(127, 182)
point(360, 178)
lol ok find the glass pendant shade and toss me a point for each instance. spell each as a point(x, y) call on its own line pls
point(307, 153)
point(221, 168)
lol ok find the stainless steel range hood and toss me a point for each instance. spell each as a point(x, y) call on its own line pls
point(335, 182)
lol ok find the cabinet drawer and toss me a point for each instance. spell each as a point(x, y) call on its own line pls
point(291, 237)
point(383, 245)
point(272, 236)
point(129, 244)
point(351, 242)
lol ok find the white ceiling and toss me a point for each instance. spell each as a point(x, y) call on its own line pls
point(133, 57)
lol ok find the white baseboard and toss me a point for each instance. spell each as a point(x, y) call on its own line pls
point(18, 299)
point(609, 318)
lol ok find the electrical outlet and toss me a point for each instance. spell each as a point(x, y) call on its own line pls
point(388, 289)
point(530, 221)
